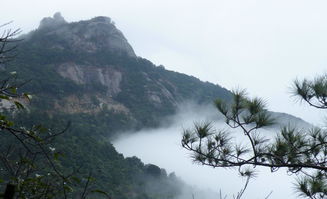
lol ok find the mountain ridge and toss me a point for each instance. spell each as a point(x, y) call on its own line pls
point(103, 76)
point(90, 36)
point(106, 78)
point(87, 73)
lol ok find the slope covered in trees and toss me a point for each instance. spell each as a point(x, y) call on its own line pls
point(73, 68)
point(87, 74)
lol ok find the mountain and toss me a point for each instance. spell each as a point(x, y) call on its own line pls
point(87, 73)
point(89, 36)
point(87, 68)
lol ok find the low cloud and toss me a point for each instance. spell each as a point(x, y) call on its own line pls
point(161, 146)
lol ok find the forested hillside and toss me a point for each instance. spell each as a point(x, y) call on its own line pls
point(86, 73)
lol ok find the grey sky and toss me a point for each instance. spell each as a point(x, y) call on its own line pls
point(260, 45)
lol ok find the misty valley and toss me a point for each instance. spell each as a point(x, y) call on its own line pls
point(83, 116)
point(162, 146)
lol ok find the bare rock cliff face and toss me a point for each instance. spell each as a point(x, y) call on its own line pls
point(84, 75)
point(90, 36)
point(87, 37)
point(87, 75)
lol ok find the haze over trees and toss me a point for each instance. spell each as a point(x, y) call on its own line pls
point(75, 74)
point(31, 166)
point(302, 152)
point(87, 73)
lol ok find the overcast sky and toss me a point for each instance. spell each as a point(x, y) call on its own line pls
point(260, 45)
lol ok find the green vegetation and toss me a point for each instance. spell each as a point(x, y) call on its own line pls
point(29, 166)
point(145, 95)
point(301, 152)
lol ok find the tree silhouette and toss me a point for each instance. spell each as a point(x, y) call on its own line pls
point(29, 162)
point(300, 151)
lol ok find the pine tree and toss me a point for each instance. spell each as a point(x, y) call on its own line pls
point(301, 152)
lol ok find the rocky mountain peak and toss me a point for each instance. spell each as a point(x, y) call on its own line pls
point(54, 21)
point(91, 36)
point(102, 19)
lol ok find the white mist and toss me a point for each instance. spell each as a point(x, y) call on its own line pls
point(162, 147)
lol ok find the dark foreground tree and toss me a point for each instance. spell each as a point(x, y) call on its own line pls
point(29, 162)
point(300, 151)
